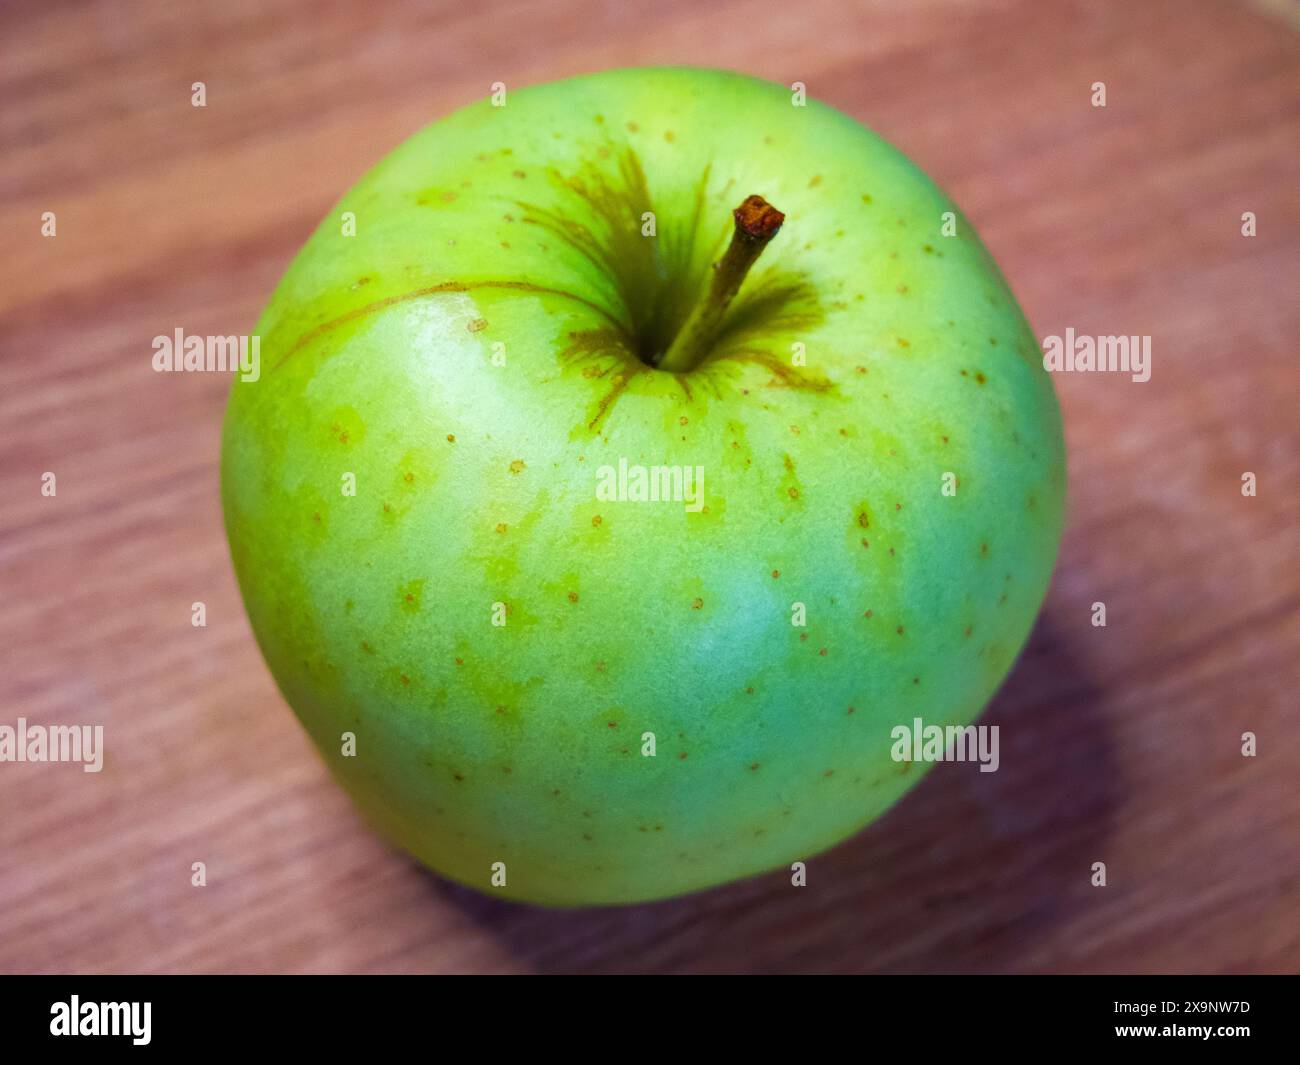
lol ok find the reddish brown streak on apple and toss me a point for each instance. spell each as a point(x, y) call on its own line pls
point(447, 286)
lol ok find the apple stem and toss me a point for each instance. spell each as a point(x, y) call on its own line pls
point(757, 222)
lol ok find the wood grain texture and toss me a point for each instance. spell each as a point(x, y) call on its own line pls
point(1120, 744)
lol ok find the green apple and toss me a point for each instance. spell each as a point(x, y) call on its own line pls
point(599, 527)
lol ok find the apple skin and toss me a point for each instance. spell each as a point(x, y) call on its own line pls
point(517, 230)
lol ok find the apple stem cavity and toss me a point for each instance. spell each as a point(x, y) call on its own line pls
point(757, 222)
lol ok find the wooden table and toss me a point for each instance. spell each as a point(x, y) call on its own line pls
point(1127, 738)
